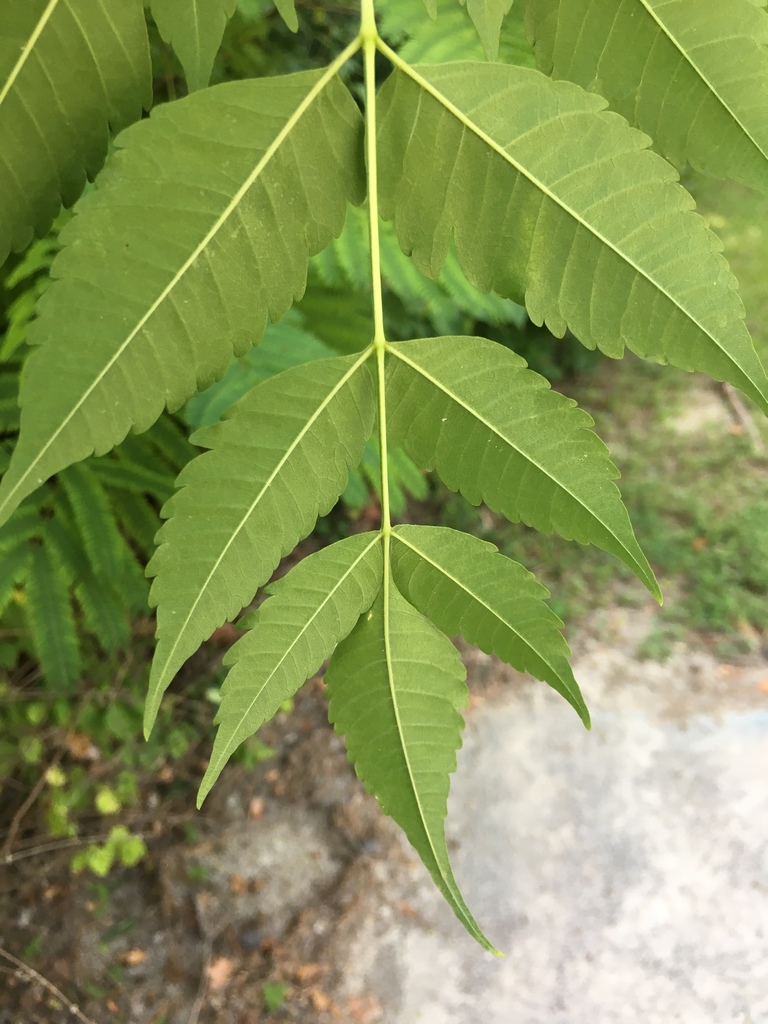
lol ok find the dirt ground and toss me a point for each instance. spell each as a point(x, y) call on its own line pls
point(249, 917)
point(197, 930)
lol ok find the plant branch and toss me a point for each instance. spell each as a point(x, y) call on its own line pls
point(6, 856)
point(28, 973)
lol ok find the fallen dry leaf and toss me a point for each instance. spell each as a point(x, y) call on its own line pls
point(219, 973)
point(762, 684)
point(134, 957)
point(320, 1000)
point(238, 885)
point(256, 807)
point(81, 747)
point(364, 1009)
point(308, 972)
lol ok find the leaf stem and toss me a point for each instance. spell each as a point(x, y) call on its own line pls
point(369, 38)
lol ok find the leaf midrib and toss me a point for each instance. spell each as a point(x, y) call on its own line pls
point(272, 149)
point(529, 458)
point(305, 626)
point(464, 119)
point(160, 675)
point(386, 588)
point(28, 48)
point(698, 70)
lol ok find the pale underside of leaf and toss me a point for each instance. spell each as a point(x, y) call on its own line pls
point(308, 612)
point(464, 586)
point(278, 463)
point(693, 75)
point(395, 687)
point(194, 29)
point(200, 230)
point(494, 431)
point(549, 196)
point(69, 71)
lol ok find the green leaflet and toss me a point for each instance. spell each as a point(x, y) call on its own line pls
point(13, 567)
point(395, 687)
point(450, 35)
point(139, 521)
point(103, 613)
point(69, 70)
point(194, 29)
point(691, 73)
point(548, 195)
point(487, 16)
point(201, 228)
point(51, 621)
point(281, 461)
point(309, 611)
point(287, 11)
point(285, 344)
point(494, 431)
point(465, 586)
point(99, 532)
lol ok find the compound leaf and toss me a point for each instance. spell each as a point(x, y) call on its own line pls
point(693, 75)
point(493, 430)
point(99, 532)
point(465, 586)
point(549, 196)
point(13, 566)
point(281, 461)
point(309, 611)
point(51, 620)
point(395, 687)
point(194, 29)
point(201, 227)
point(69, 71)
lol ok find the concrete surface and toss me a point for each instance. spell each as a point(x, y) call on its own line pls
point(624, 872)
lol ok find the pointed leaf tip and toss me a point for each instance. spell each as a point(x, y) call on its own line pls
point(307, 613)
point(598, 233)
point(194, 30)
point(287, 11)
point(394, 675)
point(495, 431)
point(465, 586)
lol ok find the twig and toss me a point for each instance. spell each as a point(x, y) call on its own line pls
point(27, 973)
point(63, 844)
point(743, 416)
point(202, 988)
point(5, 855)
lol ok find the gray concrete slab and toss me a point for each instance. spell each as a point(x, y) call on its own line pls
point(624, 872)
